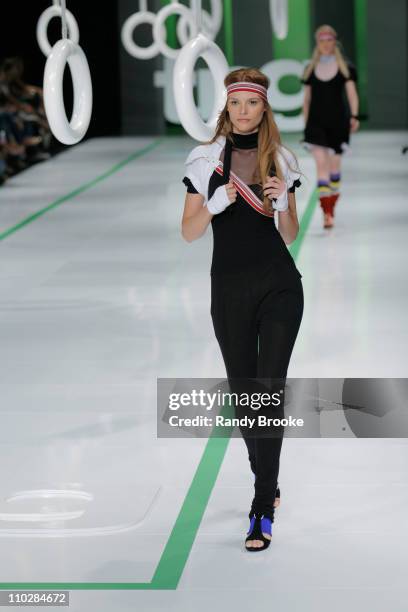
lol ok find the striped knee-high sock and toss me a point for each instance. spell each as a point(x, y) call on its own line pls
point(335, 180)
point(323, 189)
point(325, 196)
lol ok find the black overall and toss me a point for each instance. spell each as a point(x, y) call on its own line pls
point(256, 296)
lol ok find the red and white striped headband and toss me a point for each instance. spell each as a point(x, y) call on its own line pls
point(326, 36)
point(251, 87)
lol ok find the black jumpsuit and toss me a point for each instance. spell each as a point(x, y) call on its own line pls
point(256, 296)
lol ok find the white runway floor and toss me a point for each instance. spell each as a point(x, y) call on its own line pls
point(99, 297)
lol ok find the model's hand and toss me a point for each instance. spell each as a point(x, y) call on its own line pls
point(274, 187)
point(231, 192)
point(276, 190)
point(223, 196)
point(354, 124)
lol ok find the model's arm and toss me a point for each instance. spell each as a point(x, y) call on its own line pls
point(196, 217)
point(352, 97)
point(306, 101)
point(288, 224)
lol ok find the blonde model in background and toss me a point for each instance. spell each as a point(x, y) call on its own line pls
point(331, 113)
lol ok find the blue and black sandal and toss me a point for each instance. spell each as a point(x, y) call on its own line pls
point(259, 525)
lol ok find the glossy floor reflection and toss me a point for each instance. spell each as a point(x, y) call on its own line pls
point(99, 297)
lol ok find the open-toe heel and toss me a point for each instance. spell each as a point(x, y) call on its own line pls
point(259, 525)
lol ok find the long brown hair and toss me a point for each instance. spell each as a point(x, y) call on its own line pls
point(269, 140)
point(341, 61)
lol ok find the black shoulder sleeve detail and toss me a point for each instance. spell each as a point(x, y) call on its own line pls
point(189, 185)
point(296, 183)
point(352, 71)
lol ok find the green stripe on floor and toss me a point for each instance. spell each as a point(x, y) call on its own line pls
point(78, 190)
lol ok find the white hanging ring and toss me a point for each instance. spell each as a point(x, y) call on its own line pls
point(127, 35)
point(216, 16)
point(170, 9)
point(183, 74)
point(42, 27)
point(183, 28)
point(211, 23)
point(64, 51)
point(279, 17)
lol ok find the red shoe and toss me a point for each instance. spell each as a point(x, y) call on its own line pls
point(334, 197)
point(327, 207)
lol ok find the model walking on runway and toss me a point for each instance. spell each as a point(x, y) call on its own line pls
point(238, 181)
point(331, 112)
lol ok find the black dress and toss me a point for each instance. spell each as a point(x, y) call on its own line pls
point(328, 122)
point(256, 308)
